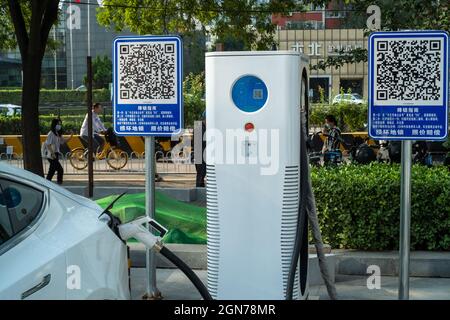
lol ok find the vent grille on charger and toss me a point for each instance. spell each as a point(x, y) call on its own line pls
point(213, 230)
point(289, 223)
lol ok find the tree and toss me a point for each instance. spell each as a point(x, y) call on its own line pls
point(31, 21)
point(194, 97)
point(248, 21)
point(230, 43)
point(395, 15)
point(102, 72)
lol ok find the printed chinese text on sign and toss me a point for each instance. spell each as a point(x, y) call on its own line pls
point(147, 85)
point(408, 85)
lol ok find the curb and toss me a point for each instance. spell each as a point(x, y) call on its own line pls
point(340, 262)
point(422, 263)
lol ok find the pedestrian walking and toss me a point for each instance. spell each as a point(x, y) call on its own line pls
point(51, 150)
point(200, 167)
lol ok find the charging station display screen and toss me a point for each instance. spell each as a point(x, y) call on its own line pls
point(249, 93)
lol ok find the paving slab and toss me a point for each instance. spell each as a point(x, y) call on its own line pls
point(422, 263)
point(355, 288)
point(175, 286)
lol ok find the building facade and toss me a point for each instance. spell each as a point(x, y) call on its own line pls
point(10, 69)
point(318, 45)
point(322, 33)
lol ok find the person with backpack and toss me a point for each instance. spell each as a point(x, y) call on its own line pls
point(330, 150)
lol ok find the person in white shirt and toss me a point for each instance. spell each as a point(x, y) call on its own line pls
point(97, 128)
point(51, 150)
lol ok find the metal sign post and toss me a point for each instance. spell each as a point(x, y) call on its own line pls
point(152, 289)
point(90, 157)
point(148, 102)
point(408, 100)
point(405, 220)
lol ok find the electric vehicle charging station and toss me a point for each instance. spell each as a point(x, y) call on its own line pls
point(252, 211)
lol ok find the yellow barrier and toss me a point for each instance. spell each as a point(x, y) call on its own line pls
point(128, 144)
point(363, 135)
point(135, 144)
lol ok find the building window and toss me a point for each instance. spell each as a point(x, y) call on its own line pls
point(305, 25)
point(352, 86)
point(319, 89)
point(314, 7)
point(337, 14)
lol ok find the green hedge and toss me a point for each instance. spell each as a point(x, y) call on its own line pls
point(351, 117)
point(55, 96)
point(359, 206)
point(12, 125)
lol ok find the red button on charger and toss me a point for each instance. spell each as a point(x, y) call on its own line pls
point(249, 127)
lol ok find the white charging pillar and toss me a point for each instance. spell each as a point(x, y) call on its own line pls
point(253, 102)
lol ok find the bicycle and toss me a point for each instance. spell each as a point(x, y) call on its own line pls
point(114, 156)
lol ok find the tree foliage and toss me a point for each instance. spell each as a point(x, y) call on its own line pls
point(102, 72)
point(194, 98)
point(246, 20)
point(408, 14)
point(7, 36)
point(30, 23)
point(395, 15)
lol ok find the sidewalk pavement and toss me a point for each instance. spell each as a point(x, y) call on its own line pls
point(174, 285)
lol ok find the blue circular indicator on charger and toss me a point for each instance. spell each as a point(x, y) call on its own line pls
point(249, 93)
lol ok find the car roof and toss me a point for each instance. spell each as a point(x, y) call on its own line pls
point(21, 174)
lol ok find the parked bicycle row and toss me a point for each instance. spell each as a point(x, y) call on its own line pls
point(351, 149)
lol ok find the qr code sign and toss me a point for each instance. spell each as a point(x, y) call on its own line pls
point(408, 71)
point(147, 72)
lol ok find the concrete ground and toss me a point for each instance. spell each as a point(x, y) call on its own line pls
point(175, 286)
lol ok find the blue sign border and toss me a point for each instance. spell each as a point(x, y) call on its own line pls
point(180, 102)
point(408, 34)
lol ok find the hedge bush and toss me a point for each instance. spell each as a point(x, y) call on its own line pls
point(351, 117)
point(12, 125)
point(47, 96)
point(359, 206)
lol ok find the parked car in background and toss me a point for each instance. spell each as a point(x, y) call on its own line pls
point(10, 110)
point(53, 244)
point(352, 98)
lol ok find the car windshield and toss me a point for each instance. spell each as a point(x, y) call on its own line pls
point(357, 96)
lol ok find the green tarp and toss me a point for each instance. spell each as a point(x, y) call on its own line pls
point(186, 223)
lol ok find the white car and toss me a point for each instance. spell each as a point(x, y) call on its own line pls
point(351, 98)
point(10, 110)
point(53, 244)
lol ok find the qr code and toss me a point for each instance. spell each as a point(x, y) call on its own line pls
point(147, 72)
point(408, 70)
